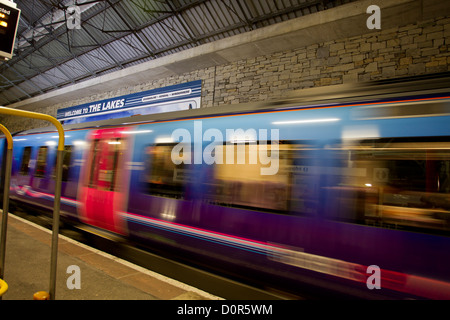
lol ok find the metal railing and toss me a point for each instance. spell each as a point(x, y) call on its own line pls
point(57, 200)
point(3, 287)
point(7, 178)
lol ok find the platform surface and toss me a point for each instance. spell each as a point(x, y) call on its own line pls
point(101, 276)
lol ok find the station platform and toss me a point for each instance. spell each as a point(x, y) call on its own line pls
point(101, 276)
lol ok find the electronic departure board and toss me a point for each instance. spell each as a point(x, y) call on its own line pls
point(9, 20)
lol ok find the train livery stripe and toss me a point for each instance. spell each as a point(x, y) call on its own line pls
point(415, 285)
point(237, 242)
point(28, 191)
point(412, 284)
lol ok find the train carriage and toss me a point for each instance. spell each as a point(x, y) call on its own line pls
point(314, 193)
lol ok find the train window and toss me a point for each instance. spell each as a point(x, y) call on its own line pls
point(238, 180)
point(41, 163)
point(94, 164)
point(65, 165)
point(402, 110)
point(398, 183)
point(25, 164)
point(105, 163)
point(305, 185)
point(162, 176)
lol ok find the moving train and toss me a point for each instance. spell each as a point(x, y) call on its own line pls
point(343, 189)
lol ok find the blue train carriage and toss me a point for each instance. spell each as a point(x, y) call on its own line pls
point(345, 191)
point(33, 169)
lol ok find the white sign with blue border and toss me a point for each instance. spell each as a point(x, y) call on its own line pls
point(173, 98)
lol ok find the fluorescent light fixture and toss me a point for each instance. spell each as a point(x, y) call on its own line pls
point(137, 131)
point(168, 216)
point(164, 140)
point(114, 142)
point(79, 143)
point(51, 143)
point(307, 121)
point(360, 132)
point(242, 138)
point(146, 121)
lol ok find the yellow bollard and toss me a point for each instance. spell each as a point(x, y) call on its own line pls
point(41, 295)
point(3, 287)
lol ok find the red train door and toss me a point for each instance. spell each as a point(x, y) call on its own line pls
point(103, 190)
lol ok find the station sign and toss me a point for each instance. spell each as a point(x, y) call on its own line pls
point(9, 21)
point(183, 96)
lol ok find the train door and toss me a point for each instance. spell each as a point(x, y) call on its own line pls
point(104, 187)
point(40, 181)
point(23, 177)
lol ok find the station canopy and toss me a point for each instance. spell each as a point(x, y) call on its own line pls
point(55, 49)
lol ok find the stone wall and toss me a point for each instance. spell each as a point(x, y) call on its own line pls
point(418, 49)
point(415, 49)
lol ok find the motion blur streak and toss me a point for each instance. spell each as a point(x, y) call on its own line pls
point(389, 279)
point(362, 179)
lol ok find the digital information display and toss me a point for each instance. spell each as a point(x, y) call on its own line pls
point(9, 20)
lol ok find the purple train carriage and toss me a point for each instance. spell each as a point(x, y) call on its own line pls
point(345, 191)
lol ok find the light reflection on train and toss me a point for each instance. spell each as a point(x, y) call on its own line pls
point(371, 187)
